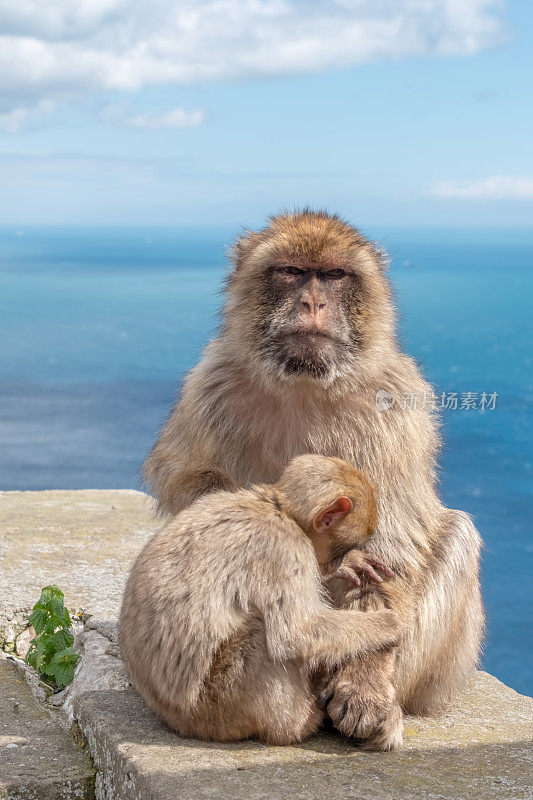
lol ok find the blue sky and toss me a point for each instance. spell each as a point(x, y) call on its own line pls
point(219, 112)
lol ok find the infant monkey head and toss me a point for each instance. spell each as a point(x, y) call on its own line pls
point(334, 503)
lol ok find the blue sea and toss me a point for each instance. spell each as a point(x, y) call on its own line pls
point(98, 327)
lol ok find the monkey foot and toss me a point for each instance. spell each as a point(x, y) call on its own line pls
point(377, 723)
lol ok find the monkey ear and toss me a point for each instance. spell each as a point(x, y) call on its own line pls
point(328, 518)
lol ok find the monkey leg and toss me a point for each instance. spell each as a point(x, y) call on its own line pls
point(437, 654)
point(248, 696)
point(359, 697)
point(361, 702)
point(441, 651)
point(274, 705)
point(285, 711)
point(451, 665)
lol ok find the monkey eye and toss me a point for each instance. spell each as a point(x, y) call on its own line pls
point(290, 270)
point(335, 273)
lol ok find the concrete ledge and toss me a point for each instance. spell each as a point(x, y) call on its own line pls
point(85, 542)
point(481, 750)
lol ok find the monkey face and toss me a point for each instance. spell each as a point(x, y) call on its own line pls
point(308, 328)
point(309, 290)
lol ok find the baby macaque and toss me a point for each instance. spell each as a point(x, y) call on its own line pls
point(224, 616)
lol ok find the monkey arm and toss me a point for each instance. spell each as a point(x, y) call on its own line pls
point(285, 588)
point(177, 488)
point(183, 464)
point(328, 636)
point(188, 485)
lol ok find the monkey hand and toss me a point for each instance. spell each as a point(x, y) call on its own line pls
point(355, 565)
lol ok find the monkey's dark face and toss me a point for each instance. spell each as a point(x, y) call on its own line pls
point(308, 314)
point(309, 296)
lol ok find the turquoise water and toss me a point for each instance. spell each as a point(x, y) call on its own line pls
point(97, 326)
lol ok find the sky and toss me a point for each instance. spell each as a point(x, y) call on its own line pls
point(220, 112)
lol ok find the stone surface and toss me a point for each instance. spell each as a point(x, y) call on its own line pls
point(23, 642)
point(39, 760)
point(84, 541)
point(100, 668)
point(480, 750)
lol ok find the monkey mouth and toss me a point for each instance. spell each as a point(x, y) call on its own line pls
point(311, 336)
point(303, 352)
point(307, 343)
point(310, 333)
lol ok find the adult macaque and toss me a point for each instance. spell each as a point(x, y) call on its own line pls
point(224, 618)
point(307, 342)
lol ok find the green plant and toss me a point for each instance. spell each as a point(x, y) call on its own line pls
point(51, 652)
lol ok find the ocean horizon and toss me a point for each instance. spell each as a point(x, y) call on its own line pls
point(99, 326)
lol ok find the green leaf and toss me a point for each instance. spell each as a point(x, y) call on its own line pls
point(38, 618)
point(63, 675)
point(53, 624)
point(39, 654)
point(62, 666)
point(67, 656)
point(50, 593)
point(49, 670)
point(51, 652)
point(31, 656)
point(60, 640)
point(55, 604)
point(53, 590)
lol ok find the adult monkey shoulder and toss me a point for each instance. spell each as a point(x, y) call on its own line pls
point(308, 340)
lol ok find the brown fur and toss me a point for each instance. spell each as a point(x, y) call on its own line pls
point(224, 618)
point(244, 413)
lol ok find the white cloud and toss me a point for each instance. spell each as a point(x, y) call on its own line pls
point(499, 187)
point(80, 46)
point(13, 120)
point(178, 118)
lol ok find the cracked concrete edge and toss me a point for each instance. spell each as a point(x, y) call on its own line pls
point(16, 627)
point(61, 741)
point(100, 668)
point(84, 789)
point(31, 677)
point(116, 776)
point(11, 629)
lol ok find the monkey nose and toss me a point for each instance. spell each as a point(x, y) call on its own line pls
point(313, 306)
